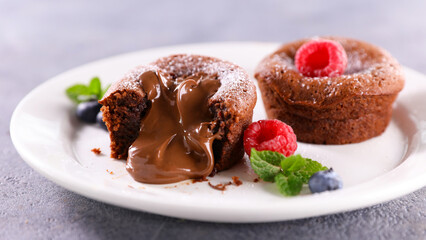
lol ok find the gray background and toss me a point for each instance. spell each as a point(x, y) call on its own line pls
point(39, 39)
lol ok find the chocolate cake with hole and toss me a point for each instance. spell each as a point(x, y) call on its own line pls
point(349, 108)
point(180, 117)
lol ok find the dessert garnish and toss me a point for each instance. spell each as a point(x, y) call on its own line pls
point(289, 173)
point(272, 144)
point(86, 98)
point(79, 92)
point(325, 181)
point(100, 121)
point(321, 58)
point(88, 111)
point(272, 135)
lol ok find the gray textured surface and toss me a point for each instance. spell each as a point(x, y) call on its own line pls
point(39, 39)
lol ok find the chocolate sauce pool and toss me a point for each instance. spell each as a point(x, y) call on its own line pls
point(174, 142)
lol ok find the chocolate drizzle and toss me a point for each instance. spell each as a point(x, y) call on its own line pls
point(175, 139)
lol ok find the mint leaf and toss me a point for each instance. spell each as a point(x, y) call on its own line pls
point(293, 163)
point(82, 93)
point(79, 93)
point(310, 168)
point(271, 157)
point(266, 164)
point(289, 173)
point(95, 87)
point(301, 167)
point(290, 185)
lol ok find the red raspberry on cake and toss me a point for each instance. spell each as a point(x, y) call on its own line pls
point(272, 135)
point(321, 58)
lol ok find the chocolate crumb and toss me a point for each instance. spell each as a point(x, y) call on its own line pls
point(203, 179)
point(236, 181)
point(220, 186)
point(96, 151)
point(256, 180)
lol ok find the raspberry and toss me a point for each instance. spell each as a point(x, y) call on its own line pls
point(321, 58)
point(272, 135)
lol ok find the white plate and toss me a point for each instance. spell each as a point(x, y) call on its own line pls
point(51, 140)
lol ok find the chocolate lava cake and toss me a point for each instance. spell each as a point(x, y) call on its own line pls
point(348, 108)
point(127, 102)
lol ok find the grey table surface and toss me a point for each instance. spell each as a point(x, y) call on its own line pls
point(39, 39)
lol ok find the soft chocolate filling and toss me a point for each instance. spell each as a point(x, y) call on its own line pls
point(175, 138)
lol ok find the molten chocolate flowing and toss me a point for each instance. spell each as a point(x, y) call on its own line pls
point(175, 141)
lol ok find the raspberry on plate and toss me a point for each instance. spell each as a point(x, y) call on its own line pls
point(321, 58)
point(272, 135)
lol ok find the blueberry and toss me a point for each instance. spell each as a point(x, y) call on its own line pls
point(325, 181)
point(87, 111)
point(100, 121)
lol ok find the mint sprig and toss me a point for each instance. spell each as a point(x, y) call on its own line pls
point(289, 173)
point(82, 93)
point(289, 185)
point(266, 164)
